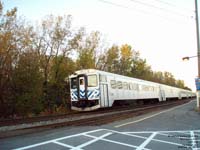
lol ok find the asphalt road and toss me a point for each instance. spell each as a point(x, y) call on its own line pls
point(177, 128)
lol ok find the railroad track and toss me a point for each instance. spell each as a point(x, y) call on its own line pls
point(111, 117)
point(97, 118)
point(11, 122)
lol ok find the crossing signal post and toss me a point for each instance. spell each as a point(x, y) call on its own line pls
point(197, 82)
point(198, 50)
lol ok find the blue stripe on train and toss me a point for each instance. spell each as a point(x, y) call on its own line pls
point(90, 94)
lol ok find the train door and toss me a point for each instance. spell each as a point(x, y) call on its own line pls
point(162, 94)
point(104, 95)
point(179, 95)
point(82, 87)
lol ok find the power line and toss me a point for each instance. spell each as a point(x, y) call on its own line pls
point(167, 3)
point(160, 8)
point(122, 6)
point(174, 5)
point(141, 11)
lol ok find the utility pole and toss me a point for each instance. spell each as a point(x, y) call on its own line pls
point(198, 50)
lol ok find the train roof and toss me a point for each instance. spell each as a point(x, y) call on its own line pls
point(92, 71)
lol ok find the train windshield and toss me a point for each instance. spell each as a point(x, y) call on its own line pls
point(73, 83)
point(92, 80)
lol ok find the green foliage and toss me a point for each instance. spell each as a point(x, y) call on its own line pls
point(112, 59)
point(12, 43)
point(58, 87)
point(141, 70)
point(28, 84)
point(87, 51)
point(126, 59)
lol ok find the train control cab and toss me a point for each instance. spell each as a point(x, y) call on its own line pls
point(84, 90)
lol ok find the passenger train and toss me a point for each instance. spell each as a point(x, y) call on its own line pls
point(91, 89)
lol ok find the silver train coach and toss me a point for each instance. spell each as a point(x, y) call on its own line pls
point(91, 89)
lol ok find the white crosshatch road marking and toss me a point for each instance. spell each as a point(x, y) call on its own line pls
point(147, 141)
point(188, 139)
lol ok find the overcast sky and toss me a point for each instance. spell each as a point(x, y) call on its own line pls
point(162, 30)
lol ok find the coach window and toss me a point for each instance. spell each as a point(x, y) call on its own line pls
point(92, 80)
point(73, 83)
point(81, 82)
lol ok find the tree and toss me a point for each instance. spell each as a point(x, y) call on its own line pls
point(58, 92)
point(87, 51)
point(180, 84)
point(169, 79)
point(158, 77)
point(110, 60)
point(126, 59)
point(141, 69)
point(28, 85)
point(14, 39)
point(55, 39)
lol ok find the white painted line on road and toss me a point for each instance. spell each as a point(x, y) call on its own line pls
point(172, 135)
point(131, 134)
point(65, 145)
point(191, 134)
point(193, 143)
point(178, 131)
point(92, 141)
point(142, 146)
point(115, 142)
point(34, 145)
point(53, 140)
point(197, 134)
point(155, 140)
point(117, 126)
point(124, 133)
point(158, 133)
